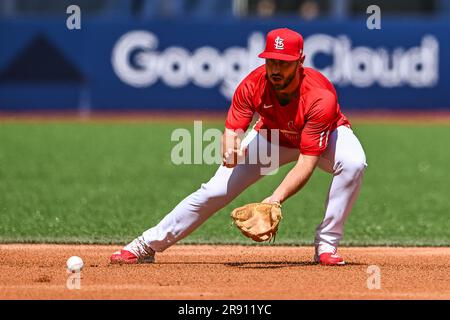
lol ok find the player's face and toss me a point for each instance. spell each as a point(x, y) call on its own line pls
point(281, 73)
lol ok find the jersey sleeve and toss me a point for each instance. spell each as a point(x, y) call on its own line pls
point(241, 111)
point(321, 118)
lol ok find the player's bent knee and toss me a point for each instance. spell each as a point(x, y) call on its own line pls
point(355, 168)
point(350, 168)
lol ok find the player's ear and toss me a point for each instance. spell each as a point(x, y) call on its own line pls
point(302, 59)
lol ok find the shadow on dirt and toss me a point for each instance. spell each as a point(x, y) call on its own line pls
point(278, 264)
point(257, 264)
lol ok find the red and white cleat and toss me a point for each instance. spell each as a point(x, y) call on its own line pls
point(135, 252)
point(326, 255)
point(329, 259)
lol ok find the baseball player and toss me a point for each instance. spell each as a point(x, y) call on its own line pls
point(302, 105)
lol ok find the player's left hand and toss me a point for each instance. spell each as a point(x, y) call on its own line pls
point(258, 221)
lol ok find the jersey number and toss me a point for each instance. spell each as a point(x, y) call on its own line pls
point(322, 135)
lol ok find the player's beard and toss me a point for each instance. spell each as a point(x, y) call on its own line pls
point(280, 87)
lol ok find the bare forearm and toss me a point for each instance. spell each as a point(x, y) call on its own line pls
point(296, 178)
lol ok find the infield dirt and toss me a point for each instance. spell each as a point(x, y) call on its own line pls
point(212, 272)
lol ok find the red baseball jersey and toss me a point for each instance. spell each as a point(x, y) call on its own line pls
point(305, 123)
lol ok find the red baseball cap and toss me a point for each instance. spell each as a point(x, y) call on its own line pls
point(283, 44)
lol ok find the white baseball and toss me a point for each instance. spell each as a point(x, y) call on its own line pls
point(74, 264)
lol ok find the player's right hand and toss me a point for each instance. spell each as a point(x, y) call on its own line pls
point(231, 157)
point(231, 148)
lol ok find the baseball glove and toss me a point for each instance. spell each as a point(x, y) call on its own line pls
point(258, 221)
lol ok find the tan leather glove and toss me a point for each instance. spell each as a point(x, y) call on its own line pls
point(258, 221)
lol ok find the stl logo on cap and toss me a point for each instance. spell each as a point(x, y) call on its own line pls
point(279, 44)
point(283, 44)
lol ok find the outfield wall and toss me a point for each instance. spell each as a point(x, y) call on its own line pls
point(127, 65)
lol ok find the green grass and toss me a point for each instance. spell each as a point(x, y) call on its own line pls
point(106, 183)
